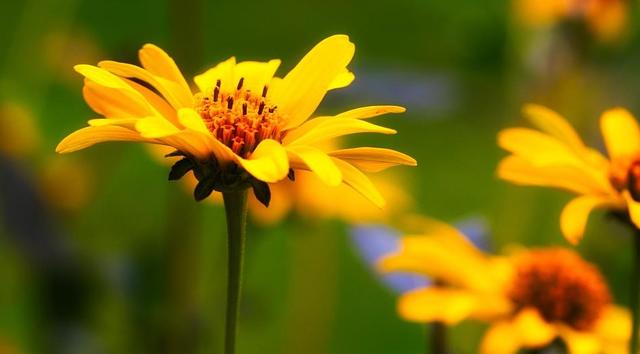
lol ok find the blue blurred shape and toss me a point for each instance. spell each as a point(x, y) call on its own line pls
point(374, 241)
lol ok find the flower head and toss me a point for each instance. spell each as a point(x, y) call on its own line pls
point(530, 298)
point(243, 126)
point(556, 157)
point(604, 18)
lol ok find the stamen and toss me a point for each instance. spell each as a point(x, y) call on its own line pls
point(216, 93)
point(240, 83)
point(244, 109)
point(229, 102)
point(264, 91)
point(261, 108)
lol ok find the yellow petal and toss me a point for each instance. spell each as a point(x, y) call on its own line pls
point(315, 160)
point(155, 127)
point(335, 127)
point(89, 136)
point(268, 163)
point(343, 79)
point(358, 113)
point(371, 111)
point(192, 120)
point(304, 87)
point(223, 72)
point(256, 74)
point(520, 171)
point(373, 159)
point(634, 208)
point(358, 181)
point(575, 215)
point(436, 304)
point(129, 123)
point(538, 148)
point(580, 342)
point(444, 255)
point(158, 62)
point(533, 330)
point(621, 133)
point(552, 123)
point(614, 325)
point(111, 102)
point(102, 77)
point(500, 338)
point(172, 91)
point(161, 106)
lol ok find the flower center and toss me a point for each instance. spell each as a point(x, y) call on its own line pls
point(239, 119)
point(624, 174)
point(561, 286)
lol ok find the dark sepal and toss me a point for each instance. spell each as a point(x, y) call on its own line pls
point(261, 190)
point(174, 154)
point(180, 168)
point(204, 188)
point(291, 175)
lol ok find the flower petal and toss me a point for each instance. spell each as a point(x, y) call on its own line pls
point(634, 208)
point(621, 133)
point(500, 338)
point(317, 161)
point(520, 171)
point(581, 342)
point(533, 330)
point(304, 87)
point(111, 102)
point(358, 181)
point(129, 123)
point(192, 120)
point(614, 325)
point(157, 102)
point(537, 147)
point(172, 91)
point(575, 215)
point(89, 136)
point(335, 127)
point(436, 304)
point(268, 163)
point(554, 124)
point(373, 159)
point(343, 79)
point(223, 72)
point(159, 63)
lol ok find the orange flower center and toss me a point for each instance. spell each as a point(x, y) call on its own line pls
point(561, 286)
point(624, 174)
point(239, 119)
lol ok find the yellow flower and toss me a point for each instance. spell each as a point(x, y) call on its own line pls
point(556, 157)
point(243, 126)
point(605, 18)
point(529, 298)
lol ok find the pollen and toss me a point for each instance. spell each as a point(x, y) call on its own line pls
point(561, 286)
point(624, 174)
point(240, 119)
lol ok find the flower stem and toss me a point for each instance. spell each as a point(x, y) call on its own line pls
point(235, 205)
point(438, 338)
point(635, 293)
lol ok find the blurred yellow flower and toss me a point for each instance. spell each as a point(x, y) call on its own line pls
point(308, 196)
point(243, 126)
point(19, 134)
point(530, 298)
point(605, 18)
point(556, 157)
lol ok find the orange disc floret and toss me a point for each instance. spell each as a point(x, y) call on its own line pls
point(561, 286)
point(239, 119)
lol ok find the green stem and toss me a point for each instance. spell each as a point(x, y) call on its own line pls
point(635, 292)
point(438, 338)
point(235, 206)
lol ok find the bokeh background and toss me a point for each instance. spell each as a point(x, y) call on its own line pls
point(100, 254)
